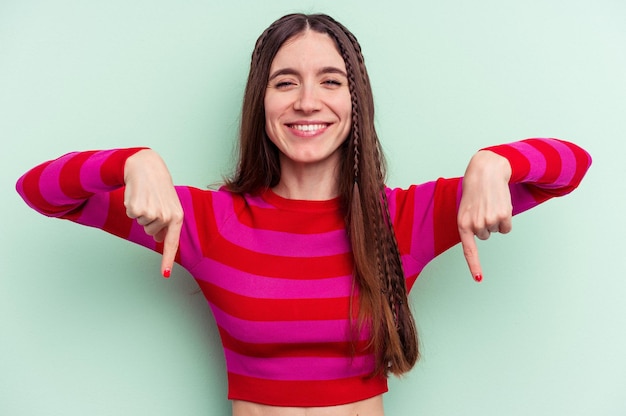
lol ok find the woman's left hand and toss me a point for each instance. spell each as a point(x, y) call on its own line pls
point(485, 206)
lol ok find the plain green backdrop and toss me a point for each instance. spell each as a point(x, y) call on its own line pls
point(87, 326)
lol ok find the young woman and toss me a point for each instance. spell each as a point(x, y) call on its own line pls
point(305, 256)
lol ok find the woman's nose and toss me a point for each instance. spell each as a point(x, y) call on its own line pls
point(308, 100)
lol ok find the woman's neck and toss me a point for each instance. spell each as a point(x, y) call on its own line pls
point(307, 182)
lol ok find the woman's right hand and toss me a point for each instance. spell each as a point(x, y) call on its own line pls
point(151, 199)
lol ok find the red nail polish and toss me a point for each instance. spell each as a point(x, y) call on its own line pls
point(166, 273)
point(478, 277)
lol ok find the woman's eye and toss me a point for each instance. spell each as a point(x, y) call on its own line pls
point(284, 84)
point(333, 83)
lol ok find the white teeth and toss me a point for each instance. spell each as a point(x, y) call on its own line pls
point(308, 127)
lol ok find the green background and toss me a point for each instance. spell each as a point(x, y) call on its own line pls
point(87, 326)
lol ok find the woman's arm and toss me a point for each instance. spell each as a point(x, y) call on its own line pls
point(108, 189)
point(543, 168)
point(500, 181)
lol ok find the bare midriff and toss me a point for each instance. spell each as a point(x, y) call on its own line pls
point(368, 407)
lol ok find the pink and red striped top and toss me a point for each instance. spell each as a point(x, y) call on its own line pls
point(277, 272)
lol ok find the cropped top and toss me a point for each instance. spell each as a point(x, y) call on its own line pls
point(277, 273)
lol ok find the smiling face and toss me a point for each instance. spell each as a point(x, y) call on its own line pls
point(307, 102)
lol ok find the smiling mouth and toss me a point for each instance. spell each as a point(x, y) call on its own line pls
point(308, 128)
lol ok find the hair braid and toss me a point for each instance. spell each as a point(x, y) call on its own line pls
point(394, 335)
point(355, 130)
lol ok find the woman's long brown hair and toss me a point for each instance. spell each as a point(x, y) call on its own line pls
point(378, 270)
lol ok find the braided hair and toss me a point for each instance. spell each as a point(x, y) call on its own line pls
point(379, 277)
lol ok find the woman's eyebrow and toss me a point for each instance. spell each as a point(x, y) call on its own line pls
point(283, 71)
point(322, 71)
point(332, 70)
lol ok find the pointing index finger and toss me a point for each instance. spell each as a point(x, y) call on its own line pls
point(170, 248)
point(470, 251)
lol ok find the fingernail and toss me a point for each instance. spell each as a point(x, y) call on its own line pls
point(478, 277)
point(166, 273)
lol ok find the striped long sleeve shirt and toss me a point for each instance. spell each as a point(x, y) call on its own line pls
point(277, 273)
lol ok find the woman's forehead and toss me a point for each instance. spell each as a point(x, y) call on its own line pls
point(308, 49)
